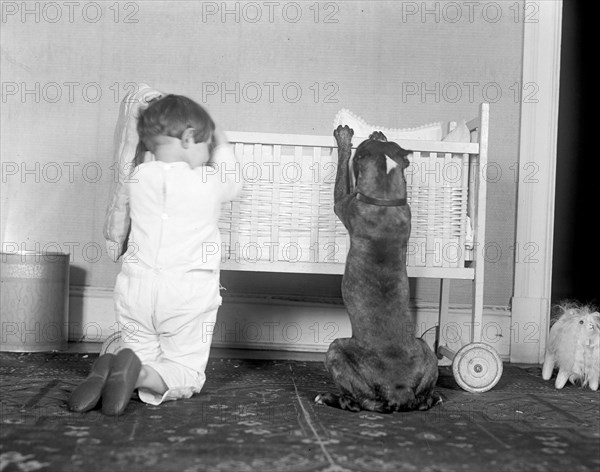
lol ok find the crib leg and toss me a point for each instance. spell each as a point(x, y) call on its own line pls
point(476, 367)
point(477, 318)
point(440, 348)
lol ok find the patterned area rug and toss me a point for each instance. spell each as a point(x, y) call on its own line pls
point(260, 416)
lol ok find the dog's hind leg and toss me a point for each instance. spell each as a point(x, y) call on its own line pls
point(337, 365)
point(346, 364)
point(423, 395)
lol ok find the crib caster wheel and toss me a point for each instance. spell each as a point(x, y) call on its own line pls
point(477, 367)
point(112, 344)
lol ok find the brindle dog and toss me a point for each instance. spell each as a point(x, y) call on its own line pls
point(383, 367)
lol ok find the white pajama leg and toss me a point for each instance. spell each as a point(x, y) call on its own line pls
point(134, 306)
point(173, 333)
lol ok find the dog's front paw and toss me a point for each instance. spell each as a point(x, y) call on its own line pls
point(378, 136)
point(343, 135)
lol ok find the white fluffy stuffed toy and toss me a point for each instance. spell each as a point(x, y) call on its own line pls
point(574, 346)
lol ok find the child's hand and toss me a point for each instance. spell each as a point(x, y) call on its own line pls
point(219, 136)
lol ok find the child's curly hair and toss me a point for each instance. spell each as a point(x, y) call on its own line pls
point(171, 115)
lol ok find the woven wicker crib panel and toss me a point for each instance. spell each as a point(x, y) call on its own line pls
point(332, 242)
point(295, 205)
point(246, 222)
point(437, 187)
point(285, 211)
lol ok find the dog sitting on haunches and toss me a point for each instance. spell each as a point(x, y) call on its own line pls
point(383, 367)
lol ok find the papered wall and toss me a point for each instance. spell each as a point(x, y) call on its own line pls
point(257, 66)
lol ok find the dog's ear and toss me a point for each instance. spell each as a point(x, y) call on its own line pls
point(397, 153)
point(401, 156)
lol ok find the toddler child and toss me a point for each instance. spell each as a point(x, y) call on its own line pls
point(167, 292)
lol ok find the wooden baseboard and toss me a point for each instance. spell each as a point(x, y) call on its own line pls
point(270, 323)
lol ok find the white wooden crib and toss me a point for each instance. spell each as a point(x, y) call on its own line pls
point(284, 221)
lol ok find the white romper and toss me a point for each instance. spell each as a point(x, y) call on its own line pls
point(167, 293)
